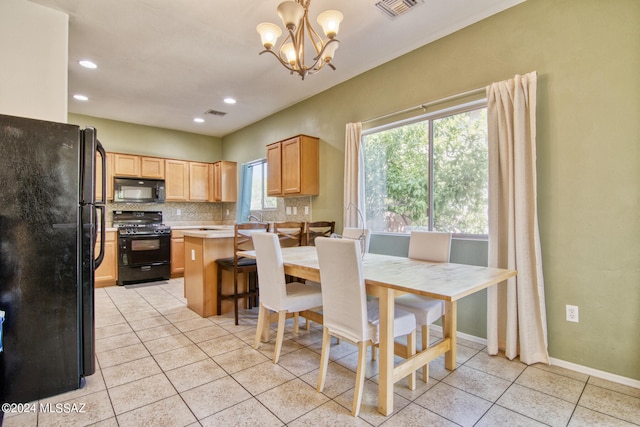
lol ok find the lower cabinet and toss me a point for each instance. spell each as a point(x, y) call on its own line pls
point(107, 273)
point(177, 253)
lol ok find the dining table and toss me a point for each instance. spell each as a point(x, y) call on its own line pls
point(388, 276)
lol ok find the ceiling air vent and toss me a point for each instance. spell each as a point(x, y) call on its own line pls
point(394, 8)
point(215, 113)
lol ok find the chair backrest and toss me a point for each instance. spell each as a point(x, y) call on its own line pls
point(319, 229)
point(242, 235)
point(430, 246)
point(344, 298)
point(357, 233)
point(270, 270)
point(289, 233)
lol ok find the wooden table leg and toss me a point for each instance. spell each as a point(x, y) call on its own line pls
point(449, 331)
point(385, 386)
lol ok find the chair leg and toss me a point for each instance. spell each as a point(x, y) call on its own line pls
point(425, 345)
point(263, 313)
point(219, 312)
point(235, 295)
point(324, 358)
point(374, 352)
point(357, 393)
point(296, 320)
point(411, 350)
point(282, 317)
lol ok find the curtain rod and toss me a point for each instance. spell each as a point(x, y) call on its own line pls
point(427, 104)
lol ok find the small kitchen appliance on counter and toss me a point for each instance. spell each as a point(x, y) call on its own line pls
point(144, 247)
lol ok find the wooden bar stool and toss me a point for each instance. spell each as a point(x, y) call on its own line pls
point(242, 241)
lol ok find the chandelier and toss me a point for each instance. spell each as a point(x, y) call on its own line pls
point(291, 51)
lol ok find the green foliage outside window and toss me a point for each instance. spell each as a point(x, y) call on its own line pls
point(397, 180)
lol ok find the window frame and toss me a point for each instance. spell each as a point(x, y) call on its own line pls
point(431, 117)
point(263, 163)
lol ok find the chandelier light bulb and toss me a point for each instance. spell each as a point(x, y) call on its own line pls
point(269, 34)
point(330, 21)
point(290, 52)
point(291, 13)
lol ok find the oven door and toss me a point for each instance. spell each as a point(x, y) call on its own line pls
point(144, 249)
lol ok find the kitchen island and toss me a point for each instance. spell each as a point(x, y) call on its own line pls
point(201, 249)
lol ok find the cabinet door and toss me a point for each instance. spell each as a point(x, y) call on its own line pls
point(224, 182)
point(177, 180)
point(107, 273)
point(274, 166)
point(152, 167)
point(108, 177)
point(199, 182)
point(126, 165)
point(216, 182)
point(177, 253)
point(291, 166)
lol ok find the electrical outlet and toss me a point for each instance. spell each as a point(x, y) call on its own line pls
point(572, 313)
point(178, 212)
point(295, 210)
point(306, 210)
point(288, 210)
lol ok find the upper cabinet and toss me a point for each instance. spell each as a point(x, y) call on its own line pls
point(293, 167)
point(126, 165)
point(199, 181)
point(224, 178)
point(185, 181)
point(176, 180)
point(152, 167)
point(108, 176)
point(138, 166)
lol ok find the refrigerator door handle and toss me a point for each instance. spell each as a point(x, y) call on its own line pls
point(100, 204)
point(100, 257)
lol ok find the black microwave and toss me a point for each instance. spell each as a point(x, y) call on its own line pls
point(134, 190)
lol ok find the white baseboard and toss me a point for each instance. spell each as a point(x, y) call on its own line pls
point(595, 373)
point(560, 363)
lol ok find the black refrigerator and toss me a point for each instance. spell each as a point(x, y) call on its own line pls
point(49, 217)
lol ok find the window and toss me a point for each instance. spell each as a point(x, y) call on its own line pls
point(259, 199)
point(430, 173)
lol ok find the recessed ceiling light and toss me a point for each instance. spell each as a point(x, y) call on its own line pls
point(80, 97)
point(229, 100)
point(87, 64)
point(198, 120)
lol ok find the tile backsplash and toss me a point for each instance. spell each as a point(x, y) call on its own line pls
point(220, 213)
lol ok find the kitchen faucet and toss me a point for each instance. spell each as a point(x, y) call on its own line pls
point(255, 217)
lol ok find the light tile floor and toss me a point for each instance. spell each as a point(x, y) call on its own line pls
point(160, 364)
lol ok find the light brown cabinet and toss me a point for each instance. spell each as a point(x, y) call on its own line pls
point(293, 167)
point(224, 178)
point(199, 182)
point(152, 167)
point(177, 253)
point(126, 165)
point(176, 180)
point(108, 177)
point(107, 273)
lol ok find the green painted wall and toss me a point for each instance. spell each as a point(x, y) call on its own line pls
point(587, 55)
point(121, 137)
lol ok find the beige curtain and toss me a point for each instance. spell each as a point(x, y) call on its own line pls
point(516, 319)
point(352, 174)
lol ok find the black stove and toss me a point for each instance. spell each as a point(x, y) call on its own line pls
point(140, 223)
point(144, 246)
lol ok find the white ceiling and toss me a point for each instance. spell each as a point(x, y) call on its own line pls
point(163, 62)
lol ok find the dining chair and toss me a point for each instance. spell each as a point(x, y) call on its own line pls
point(237, 265)
point(426, 246)
point(348, 315)
point(277, 295)
point(318, 229)
point(289, 233)
point(358, 233)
